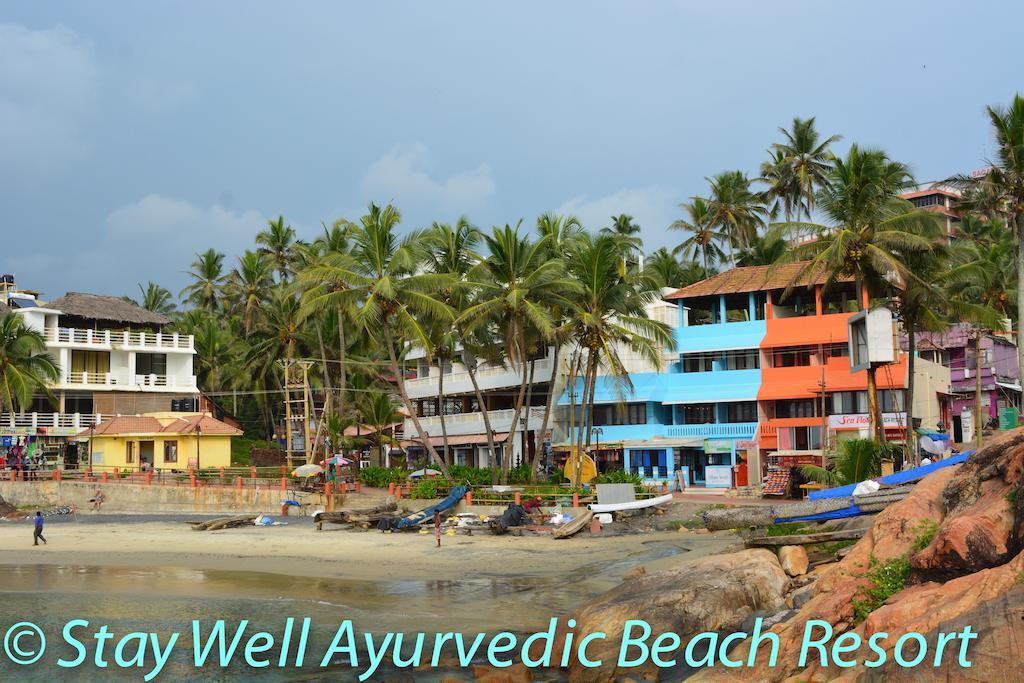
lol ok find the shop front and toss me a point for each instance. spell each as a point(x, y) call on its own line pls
point(692, 463)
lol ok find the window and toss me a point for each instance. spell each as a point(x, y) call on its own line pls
point(129, 452)
point(151, 364)
point(891, 400)
point(699, 413)
point(800, 302)
point(170, 451)
point(744, 411)
point(805, 407)
point(940, 356)
point(615, 414)
point(650, 464)
point(737, 308)
point(452, 406)
point(791, 357)
point(839, 298)
point(849, 402)
point(78, 403)
point(428, 408)
point(746, 359)
point(759, 305)
point(92, 362)
point(836, 351)
point(699, 362)
point(799, 438)
point(703, 311)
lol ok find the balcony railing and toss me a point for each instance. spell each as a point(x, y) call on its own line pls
point(732, 429)
point(121, 379)
point(487, 378)
point(471, 423)
point(167, 341)
point(63, 421)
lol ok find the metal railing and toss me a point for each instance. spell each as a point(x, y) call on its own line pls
point(125, 380)
point(51, 420)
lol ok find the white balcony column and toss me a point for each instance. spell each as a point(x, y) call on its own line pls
point(159, 338)
point(88, 336)
point(35, 420)
point(125, 337)
point(64, 358)
point(106, 337)
point(131, 368)
point(76, 421)
point(175, 340)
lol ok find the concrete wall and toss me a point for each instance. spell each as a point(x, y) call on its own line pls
point(141, 498)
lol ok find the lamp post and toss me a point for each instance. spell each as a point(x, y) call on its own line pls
point(596, 432)
point(199, 437)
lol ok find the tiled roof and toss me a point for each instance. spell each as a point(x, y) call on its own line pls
point(750, 279)
point(145, 424)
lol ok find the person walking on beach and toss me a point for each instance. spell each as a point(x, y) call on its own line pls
point(37, 535)
point(437, 527)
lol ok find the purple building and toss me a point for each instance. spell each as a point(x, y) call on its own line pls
point(1000, 374)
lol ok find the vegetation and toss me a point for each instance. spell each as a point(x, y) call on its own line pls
point(856, 460)
point(25, 367)
point(890, 577)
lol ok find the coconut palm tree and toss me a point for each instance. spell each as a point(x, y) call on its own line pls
point(736, 211)
point(870, 231)
point(705, 237)
point(856, 460)
point(809, 160)
point(278, 243)
point(249, 285)
point(378, 411)
point(609, 315)
point(207, 275)
point(156, 299)
point(519, 285)
point(1001, 189)
point(764, 250)
point(25, 367)
point(783, 191)
point(666, 270)
point(627, 233)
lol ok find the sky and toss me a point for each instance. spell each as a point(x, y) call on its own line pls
point(133, 135)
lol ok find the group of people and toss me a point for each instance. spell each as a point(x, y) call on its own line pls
point(20, 462)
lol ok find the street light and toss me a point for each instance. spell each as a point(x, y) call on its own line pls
point(596, 432)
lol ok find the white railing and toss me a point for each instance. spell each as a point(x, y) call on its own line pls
point(486, 377)
point(728, 429)
point(109, 379)
point(473, 423)
point(168, 341)
point(51, 420)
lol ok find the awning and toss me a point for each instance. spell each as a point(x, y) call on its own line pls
point(460, 440)
point(1008, 385)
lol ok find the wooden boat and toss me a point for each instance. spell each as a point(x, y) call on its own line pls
point(573, 527)
point(631, 505)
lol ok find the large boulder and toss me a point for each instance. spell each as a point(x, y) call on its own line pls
point(715, 593)
point(793, 559)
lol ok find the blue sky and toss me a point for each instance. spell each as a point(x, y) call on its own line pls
point(133, 135)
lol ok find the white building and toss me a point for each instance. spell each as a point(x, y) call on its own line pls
point(115, 358)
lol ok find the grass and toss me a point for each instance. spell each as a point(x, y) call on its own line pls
point(240, 446)
point(835, 546)
point(890, 577)
point(788, 528)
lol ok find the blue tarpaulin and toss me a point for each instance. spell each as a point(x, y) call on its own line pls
point(893, 479)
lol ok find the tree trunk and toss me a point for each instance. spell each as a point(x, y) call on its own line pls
point(506, 451)
point(911, 454)
point(526, 420)
point(440, 410)
point(571, 384)
point(586, 408)
point(400, 381)
point(342, 359)
point(978, 424)
point(1019, 225)
point(877, 430)
point(323, 356)
point(548, 408)
point(491, 450)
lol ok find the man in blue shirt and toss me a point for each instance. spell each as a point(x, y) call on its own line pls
point(37, 535)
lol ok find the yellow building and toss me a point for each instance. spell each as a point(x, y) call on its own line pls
point(162, 441)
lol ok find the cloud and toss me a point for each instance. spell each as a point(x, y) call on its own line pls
point(156, 238)
point(653, 208)
point(47, 86)
point(403, 175)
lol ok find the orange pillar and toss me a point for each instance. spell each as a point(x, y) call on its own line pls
point(222, 475)
point(359, 486)
point(391, 488)
point(284, 483)
point(469, 497)
point(328, 495)
point(398, 493)
point(238, 483)
point(252, 473)
point(575, 500)
point(104, 477)
point(149, 477)
point(519, 499)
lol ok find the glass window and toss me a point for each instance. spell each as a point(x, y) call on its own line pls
point(891, 400)
point(170, 451)
point(759, 305)
point(699, 362)
point(737, 308)
point(699, 413)
point(617, 414)
point(746, 359)
point(804, 407)
point(743, 411)
point(800, 302)
point(151, 364)
point(428, 407)
point(849, 402)
point(129, 452)
point(840, 298)
point(791, 357)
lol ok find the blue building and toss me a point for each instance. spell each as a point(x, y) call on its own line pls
point(694, 422)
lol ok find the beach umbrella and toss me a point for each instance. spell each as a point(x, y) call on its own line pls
point(423, 473)
point(307, 470)
point(337, 459)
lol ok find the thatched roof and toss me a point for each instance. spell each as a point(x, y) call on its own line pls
point(753, 279)
point(110, 308)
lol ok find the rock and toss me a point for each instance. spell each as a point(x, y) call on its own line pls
point(801, 597)
point(517, 673)
point(793, 559)
point(682, 529)
point(714, 593)
point(635, 572)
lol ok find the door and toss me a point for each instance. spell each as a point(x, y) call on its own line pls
point(958, 430)
point(146, 454)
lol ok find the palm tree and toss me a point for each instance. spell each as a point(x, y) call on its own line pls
point(250, 284)
point(157, 299)
point(1001, 189)
point(25, 367)
point(278, 242)
point(378, 411)
point(704, 238)
point(627, 233)
point(809, 160)
point(857, 460)
point(871, 232)
point(763, 251)
point(736, 211)
point(666, 270)
point(395, 300)
point(519, 285)
point(783, 192)
point(609, 315)
point(207, 275)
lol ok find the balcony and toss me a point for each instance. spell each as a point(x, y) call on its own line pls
point(55, 424)
point(487, 379)
point(473, 423)
point(122, 380)
point(730, 430)
point(119, 339)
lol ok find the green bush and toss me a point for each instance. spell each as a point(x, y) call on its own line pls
point(380, 477)
point(425, 488)
point(890, 577)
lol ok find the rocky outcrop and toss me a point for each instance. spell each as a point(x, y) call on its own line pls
point(793, 559)
point(713, 593)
